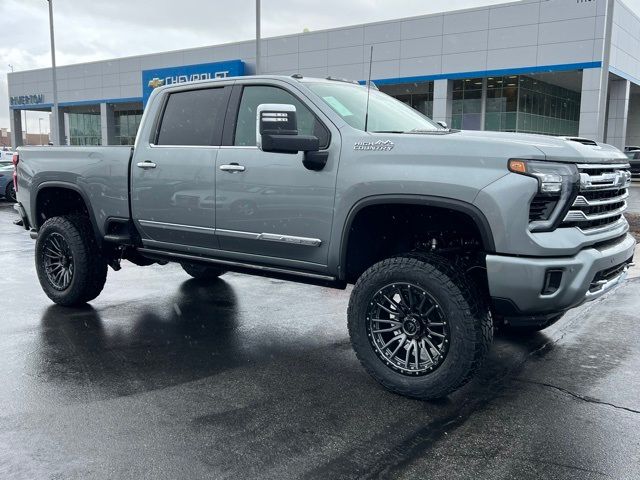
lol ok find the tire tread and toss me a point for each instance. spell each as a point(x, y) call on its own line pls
point(90, 263)
point(465, 294)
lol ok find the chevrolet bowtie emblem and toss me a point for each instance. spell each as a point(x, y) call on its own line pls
point(156, 82)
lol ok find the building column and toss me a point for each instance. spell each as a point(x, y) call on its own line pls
point(442, 100)
point(15, 123)
point(483, 104)
point(619, 95)
point(592, 113)
point(108, 124)
point(67, 128)
point(57, 129)
point(633, 121)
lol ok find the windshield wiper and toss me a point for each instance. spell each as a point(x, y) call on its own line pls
point(387, 131)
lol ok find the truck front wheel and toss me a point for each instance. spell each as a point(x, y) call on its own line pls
point(203, 272)
point(70, 266)
point(419, 326)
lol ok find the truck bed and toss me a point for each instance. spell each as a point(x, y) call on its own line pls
point(100, 174)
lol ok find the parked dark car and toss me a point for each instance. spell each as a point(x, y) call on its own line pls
point(6, 181)
point(634, 160)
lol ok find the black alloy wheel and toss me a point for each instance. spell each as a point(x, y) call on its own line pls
point(71, 268)
point(58, 261)
point(419, 325)
point(407, 329)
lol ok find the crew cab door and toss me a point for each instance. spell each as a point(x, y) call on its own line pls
point(173, 173)
point(269, 207)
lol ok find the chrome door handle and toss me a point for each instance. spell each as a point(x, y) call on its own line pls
point(146, 164)
point(234, 167)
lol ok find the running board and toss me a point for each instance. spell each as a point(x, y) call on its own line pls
point(239, 266)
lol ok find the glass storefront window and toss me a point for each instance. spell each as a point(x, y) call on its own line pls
point(467, 104)
point(547, 108)
point(419, 96)
point(127, 123)
point(85, 129)
point(528, 105)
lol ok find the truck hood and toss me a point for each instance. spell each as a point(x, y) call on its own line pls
point(557, 149)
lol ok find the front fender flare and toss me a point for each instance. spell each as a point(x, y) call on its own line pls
point(472, 211)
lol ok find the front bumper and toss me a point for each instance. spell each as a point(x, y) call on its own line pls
point(516, 283)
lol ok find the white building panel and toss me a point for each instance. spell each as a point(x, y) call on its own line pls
point(465, 42)
point(423, 27)
point(511, 58)
point(313, 41)
point(554, 10)
point(468, 21)
point(383, 51)
point(513, 37)
point(514, 15)
point(282, 45)
point(413, 67)
point(346, 37)
point(346, 55)
point(420, 47)
point(382, 32)
point(313, 59)
point(464, 62)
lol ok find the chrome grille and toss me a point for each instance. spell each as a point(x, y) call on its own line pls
point(602, 198)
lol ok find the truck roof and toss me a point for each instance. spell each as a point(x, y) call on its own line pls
point(287, 78)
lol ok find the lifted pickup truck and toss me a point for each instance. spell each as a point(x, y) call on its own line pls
point(444, 233)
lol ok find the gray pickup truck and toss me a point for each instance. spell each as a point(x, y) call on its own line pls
point(443, 233)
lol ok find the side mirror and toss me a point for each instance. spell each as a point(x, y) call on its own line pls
point(277, 130)
point(443, 124)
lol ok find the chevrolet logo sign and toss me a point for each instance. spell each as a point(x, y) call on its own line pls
point(156, 82)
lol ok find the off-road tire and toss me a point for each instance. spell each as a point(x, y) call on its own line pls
point(524, 330)
point(10, 193)
point(470, 323)
point(90, 267)
point(203, 272)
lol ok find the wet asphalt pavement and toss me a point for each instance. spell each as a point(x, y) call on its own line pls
point(167, 377)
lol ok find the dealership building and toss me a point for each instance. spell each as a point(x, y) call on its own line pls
point(559, 67)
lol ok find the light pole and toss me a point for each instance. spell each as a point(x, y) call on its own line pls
point(257, 37)
point(54, 111)
point(40, 130)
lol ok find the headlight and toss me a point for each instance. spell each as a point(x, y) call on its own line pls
point(557, 183)
point(551, 176)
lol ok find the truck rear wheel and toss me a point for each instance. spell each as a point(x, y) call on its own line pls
point(418, 326)
point(70, 267)
point(203, 272)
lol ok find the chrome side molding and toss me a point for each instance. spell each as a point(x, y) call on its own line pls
point(267, 237)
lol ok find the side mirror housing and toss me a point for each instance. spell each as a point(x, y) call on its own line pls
point(277, 130)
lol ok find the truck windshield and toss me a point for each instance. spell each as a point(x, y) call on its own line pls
point(386, 114)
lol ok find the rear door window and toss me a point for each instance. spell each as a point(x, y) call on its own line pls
point(194, 117)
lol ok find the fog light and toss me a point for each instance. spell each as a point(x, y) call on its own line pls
point(552, 280)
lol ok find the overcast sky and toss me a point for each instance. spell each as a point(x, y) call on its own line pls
point(88, 30)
